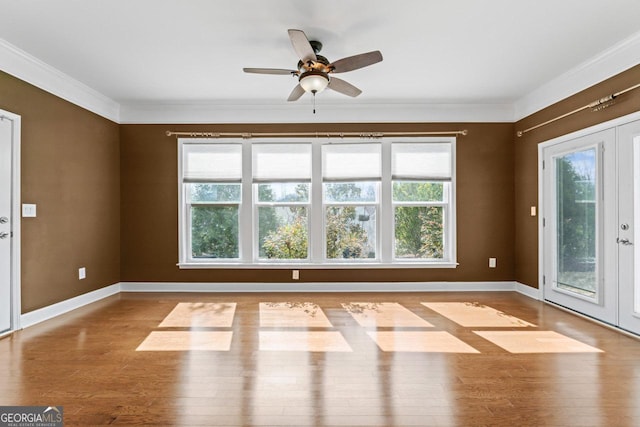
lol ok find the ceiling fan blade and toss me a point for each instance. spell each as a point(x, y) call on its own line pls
point(296, 93)
point(357, 61)
point(343, 87)
point(302, 46)
point(269, 71)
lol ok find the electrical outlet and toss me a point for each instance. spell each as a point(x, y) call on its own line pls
point(28, 210)
point(295, 275)
point(492, 262)
point(82, 273)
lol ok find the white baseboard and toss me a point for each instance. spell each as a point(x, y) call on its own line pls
point(528, 291)
point(318, 287)
point(51, 311)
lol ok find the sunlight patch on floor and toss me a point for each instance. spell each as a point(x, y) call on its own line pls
point(200, 314)
point(536, 342)
point(292, 314)
point(420, 342)
point(199, 317)
point(474, 315)
point(187, 341)
point(384, 314)
point(313, 341)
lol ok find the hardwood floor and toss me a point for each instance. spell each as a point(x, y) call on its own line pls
point(315, 359)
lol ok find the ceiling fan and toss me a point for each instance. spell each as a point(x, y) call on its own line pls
point(315, 72)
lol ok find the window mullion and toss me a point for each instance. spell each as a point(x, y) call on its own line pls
point(385, 222)
point(316, 213)
point(184, 219)
point(246, 225)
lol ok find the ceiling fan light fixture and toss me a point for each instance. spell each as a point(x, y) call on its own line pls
point(314, 81)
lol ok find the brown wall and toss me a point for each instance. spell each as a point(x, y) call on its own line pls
point(149, 206)
point(526, 157)
point(107, 195)
point(71, 171)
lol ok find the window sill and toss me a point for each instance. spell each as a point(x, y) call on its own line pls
point(315, 266)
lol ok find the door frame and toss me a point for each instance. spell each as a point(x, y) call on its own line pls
point(541, 205)
point(16, 214)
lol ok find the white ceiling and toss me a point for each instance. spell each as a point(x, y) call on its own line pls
point(143, 52)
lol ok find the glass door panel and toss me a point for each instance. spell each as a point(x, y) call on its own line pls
point(576, 223)
point(579, 270)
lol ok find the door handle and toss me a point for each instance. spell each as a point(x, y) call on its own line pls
point(4, 235)
point(625, 242)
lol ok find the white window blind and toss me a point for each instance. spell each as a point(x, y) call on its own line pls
point(281, 162)
point(212, 162)
point(351, 162)
point(424, 161)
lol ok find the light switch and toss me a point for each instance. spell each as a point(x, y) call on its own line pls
point(533, 211)
point(28, 210)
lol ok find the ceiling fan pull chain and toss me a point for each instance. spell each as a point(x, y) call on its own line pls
point(314, 102)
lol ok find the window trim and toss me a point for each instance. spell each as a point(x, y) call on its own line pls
point(385, 237)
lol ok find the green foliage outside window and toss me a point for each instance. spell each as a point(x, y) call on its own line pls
point(418, 229)
point(214, 228)
point(288, 241)
point(345, 235)
point(576, 217)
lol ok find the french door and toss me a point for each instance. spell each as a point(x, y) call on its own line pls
point(9, 222)
point(591, 199)
point(629, 226)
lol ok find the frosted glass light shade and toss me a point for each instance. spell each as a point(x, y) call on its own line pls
point(314, 83)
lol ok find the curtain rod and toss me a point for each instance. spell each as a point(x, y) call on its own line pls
point(248, 135)
point(597, 105)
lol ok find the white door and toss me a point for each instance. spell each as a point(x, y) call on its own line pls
point(6, 134)
point(580, 225)
point(629, 225)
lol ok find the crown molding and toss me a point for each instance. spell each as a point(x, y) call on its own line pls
point(191, 113)
point(20, 64)
point(614, 60)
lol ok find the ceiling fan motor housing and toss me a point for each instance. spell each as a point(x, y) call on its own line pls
point(320, 64)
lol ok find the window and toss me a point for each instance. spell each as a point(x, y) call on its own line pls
point(317, 203)
point(351, 175)
point(211, 185)
point(421, 186)
point(281, 184)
